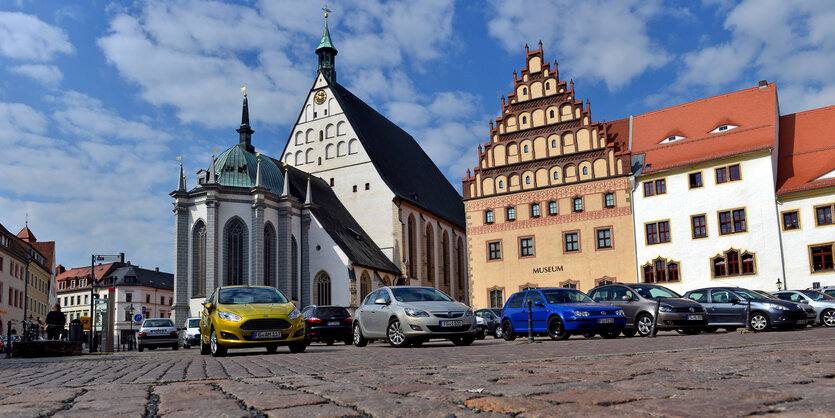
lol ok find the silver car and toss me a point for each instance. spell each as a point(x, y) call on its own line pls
point(411, 315)
point(157, 332)
point(823, 304)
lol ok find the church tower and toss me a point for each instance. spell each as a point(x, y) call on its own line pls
point(327, 54)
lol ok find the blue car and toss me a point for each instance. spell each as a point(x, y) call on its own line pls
point(560, 313)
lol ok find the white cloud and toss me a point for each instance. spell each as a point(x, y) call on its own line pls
point(85, 116)
point(48, 75)
point(26, 37)
point(598, 39)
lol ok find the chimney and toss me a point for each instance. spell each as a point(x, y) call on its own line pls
point(157, 269)
point(763, 84)
point(122, 257)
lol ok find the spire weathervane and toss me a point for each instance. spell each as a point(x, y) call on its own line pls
point(326, 10)
point(243, 90)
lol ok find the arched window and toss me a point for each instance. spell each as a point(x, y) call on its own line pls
point(330, 151)
point(526, 149)
point(340, 128)
point(308, 156)
point(445, 258)
point(340, 149)
point(460, 267)
point(322, 289)
point(269, 256)
point(353, 146)
point(501, 184)
point(649, 277)
point(365, 285)
point(198, 263)
point(524, 120)
point(524, 91)
point(430, 250)
point(585, 171)
point(553, 141)
point(299, 158)
point(527, 179)
point(234, 245)
point(556, 175)
point(551, 113)
point(294, 268)
point(412, 247)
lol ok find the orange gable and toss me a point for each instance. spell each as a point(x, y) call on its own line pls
point(807, 150)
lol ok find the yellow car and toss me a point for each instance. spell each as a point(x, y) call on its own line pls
point(250, 316)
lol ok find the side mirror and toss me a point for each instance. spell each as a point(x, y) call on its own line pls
point(734, 301)
point(380, 301)
point(209, 306)
point(539, 304)
point(626, 298)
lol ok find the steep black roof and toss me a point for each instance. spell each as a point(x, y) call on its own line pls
point(338, 222)
point(401, 162)
point(137, 276)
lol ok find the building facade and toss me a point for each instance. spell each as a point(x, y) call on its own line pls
point(548, 205)
point(74, 288)
point(13, 259)
point(26, 277)
point(41, 268)
point(137, 291)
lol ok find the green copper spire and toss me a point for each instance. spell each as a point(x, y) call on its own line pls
point(327, 53)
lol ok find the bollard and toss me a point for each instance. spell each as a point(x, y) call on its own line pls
point(655, 319)
point(9, 340)
point(748, 316)
point(530, 320)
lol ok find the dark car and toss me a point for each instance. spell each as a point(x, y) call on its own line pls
point(639, 301)
point(328, 324)
point(559, 312)
point(492, 322)
point(811, 315)
point(726, 307)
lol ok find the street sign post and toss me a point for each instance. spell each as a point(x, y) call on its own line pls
point(137, 318)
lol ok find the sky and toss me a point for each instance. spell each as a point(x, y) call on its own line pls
point(99, 98)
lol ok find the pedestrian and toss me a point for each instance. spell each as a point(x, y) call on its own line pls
point(55, 321)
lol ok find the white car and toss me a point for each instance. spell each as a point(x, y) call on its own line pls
point(822, 303)
point(190, 335)
point(157, 332)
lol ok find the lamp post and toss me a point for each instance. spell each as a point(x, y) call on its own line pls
point(129, 310)
point(779, 284)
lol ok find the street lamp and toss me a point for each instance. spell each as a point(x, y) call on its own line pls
point(779, 284)
point(129, 310)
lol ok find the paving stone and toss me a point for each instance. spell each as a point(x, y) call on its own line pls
point(506, 405)
point(321, 410)
point(408, 388)
point(591, 397)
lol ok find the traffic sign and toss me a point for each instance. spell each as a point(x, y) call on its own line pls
point(137, 318)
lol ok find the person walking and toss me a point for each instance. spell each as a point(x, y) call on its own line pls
point(55, 321)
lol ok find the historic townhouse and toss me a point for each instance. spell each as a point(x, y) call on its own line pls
point(41, 291)
point(74, 288)
point(705, 179)
point(23, 259)
point(12, 278)
point(548, 204)
point(149, 293)
point(806, 197)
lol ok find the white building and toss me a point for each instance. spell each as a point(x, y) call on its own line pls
point(149, 292)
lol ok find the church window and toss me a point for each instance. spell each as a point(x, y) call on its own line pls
point(548, 87)
point(460, 265)
point(321, 136)
point(430, 250)
point(331, 181)
point(294, 268)
point(412, 247)
point(365, 285)
point(314, 114)
point(330, 151)
point(269, 256)
point(445, 259)
point(353, 146)
point(235, 260)
point(323, 289)
point(198, 287)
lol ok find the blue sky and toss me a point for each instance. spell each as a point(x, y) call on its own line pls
point(98, 98)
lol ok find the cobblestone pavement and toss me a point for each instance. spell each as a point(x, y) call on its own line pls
point(721, 374)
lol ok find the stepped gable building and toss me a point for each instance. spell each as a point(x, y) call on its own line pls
point(806, 197)
point(705, 180)
point(383, 178)
point(548, 204)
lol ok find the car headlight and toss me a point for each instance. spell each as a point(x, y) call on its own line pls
point(416, 312)
point(775, 306)
point(469, 312)
point(620, 312)
point(295, 314)
point(665, 308)
point(228, 316)
point(581, 313)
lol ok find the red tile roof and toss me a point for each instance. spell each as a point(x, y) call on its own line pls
point(47, 250)
point(101, 270)
point(754, 110)
point(27, 235)
point(807, 150)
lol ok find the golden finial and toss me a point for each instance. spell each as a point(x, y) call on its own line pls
point(326, 11)
point(257, 154)
point(179, 158)
point(243, 90)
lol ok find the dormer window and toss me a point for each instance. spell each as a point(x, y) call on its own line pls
point(671, 138)
point(723, 128)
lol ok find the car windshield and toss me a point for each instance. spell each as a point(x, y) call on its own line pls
point(652, 292)
point(158, 323)
point(329, 311)
point(566, 296)
point(244, 295)
point(193, 323)
point(419, 294)
point(747, 294)
point(814, 295)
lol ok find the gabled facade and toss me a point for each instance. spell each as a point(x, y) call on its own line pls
point(384, 179)
point(548, 204)
point(74, 288)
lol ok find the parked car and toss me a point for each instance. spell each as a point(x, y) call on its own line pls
point(190, 335)
point(157, 332)
point(823, 304)
point(639, 301)
point(250, 316)
point(411, 315)
point(492, 322)
point(829, 290)
point(811, 315)
point(726, 308)
point(560, 313)
point(327, 324)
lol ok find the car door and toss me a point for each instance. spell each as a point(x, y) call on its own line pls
point(382, 313)
point(365, 315)
point(630, 306)
point(519, 314)
point(723, 310)
point(539, 312)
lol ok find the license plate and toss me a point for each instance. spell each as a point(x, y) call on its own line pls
point(333, 323)
point(261, 335)
point(801, 322)
point(695, 317)
point(606, 321)
point(159, 331)
point(452, 323)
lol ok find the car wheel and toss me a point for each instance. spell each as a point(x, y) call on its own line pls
point(463, 340)
point(141, 348)
point(828, 317)
point(629, 333)
point(359, 340)
point(710, 330)
point(175, 347)
point(498, 332)
point(272, 348)
point(610, 335)
point(507, 331)
point(759, 321)
point(395, 335)
point(329, 342)
point(644, 325)
point(692, 331)
point(298, 347)
point(556, 329)
point(214, 345)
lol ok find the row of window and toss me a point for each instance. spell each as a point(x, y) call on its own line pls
point(723, 175)
point(17, 270)
point(731, 221)
point(70, 284)
point(571, 244)
point(536, 211)
point(823, 217)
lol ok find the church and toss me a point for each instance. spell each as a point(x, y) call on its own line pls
point(351, 205)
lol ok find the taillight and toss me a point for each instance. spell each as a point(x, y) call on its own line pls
point(173, 333)
point(349, 319)
point(142, 334)
point(314, 319)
